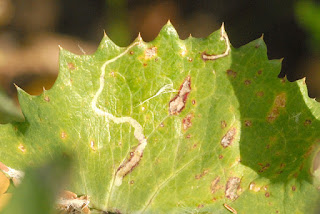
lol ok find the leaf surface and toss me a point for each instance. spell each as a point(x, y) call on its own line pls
point(175, 126)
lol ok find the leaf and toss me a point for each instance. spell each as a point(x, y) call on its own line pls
point(175, 126)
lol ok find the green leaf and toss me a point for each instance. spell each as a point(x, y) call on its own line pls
point(218, 129)
point(38, 191)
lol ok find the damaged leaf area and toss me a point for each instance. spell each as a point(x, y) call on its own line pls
point(172, 126)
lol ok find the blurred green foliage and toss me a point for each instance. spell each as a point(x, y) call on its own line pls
point(308, 15)
point(39, 189)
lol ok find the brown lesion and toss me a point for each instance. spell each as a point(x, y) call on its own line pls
point(229, 137)
point(177, 104)
point(199, 176)
point(187, 121)
point(71, 66)
point(232, 187)
point(215, 185)
point(278, 104)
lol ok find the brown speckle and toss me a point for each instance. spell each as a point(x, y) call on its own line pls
point(47, 99)
point(186, 122)
point(247, 82)
point(132, 182)
point(214, 185)
point(232, 73)
point(248, 123)
point(259, 72)
point(156, 59)
point(161, 125)
point(194, 146)
point(260, 93)
point(150, 52)
point(190, 59)
point(22, 148)
point(232, 187)
point(223, 124)
point(307, 122)
point(63, 135)
point(131, 52)
point(264, 167)
point(200, 206)
point(202, 174)
point(228, 138)
point(278, 104)
point(283, 80)
point(71, 66)
point(193, 102)
point(177, 104)
point(145, 64)
point(267, 194)
point(188, 136)
point(282, 165)
point(220, 156)
point(293, 188)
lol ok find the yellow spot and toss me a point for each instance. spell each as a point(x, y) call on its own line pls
point(46, 98)
point(183, 51)
point(254, 187)
point(22, 148)
point(92, 145)
point(63, 135)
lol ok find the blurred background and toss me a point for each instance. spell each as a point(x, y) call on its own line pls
point(31, 30)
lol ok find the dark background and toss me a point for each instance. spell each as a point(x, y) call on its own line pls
point(31, 31)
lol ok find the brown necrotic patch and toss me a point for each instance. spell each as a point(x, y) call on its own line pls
point(129, 164)
point(264, 167)
point(223, 124)
point(46, 98)
point(71, 66)
point(177, 104)
point(248, 123)
point(231, 73)
point(307, 122)
point(228, 138)
point(247, 82)
point(215, 185)
point(202, 174)
point(186, 122)
point(232, 187)
point(278, 104)
point(260, 93)
point(150, 52)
